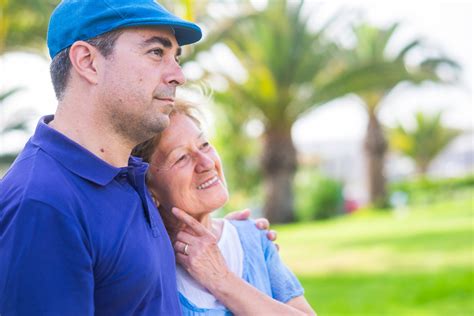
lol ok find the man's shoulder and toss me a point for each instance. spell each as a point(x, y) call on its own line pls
point(34, 175)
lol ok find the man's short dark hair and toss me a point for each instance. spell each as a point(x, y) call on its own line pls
point(61, 64)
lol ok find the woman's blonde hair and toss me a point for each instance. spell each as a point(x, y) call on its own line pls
point(145, 150)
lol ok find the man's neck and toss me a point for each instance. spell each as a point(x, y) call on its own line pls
point(94, 135)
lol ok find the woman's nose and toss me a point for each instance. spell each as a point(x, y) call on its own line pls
point(204, 162)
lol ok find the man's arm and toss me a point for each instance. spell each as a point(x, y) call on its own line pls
point(46, 263)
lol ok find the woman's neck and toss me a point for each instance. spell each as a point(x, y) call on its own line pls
point(214, 225)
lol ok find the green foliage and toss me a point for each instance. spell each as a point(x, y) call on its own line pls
point(423, 142)
point(425, 190)
point(19, 120)
point(239, 153)
point(287, 64)
point(317, 196)
point(286, 67)
point(372, 73)
point(23, 24)
point(16, 122)
point(6, 94)
point(373, 263)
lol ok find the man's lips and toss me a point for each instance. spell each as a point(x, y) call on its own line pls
point(171, 100)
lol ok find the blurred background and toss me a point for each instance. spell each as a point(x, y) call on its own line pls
point(350, 124)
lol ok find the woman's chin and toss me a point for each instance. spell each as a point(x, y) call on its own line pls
point(208, 208)
point(220, 202)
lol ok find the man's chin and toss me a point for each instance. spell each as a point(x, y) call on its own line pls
point(159, 124)
point(163, 123)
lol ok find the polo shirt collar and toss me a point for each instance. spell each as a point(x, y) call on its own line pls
point(76, 158)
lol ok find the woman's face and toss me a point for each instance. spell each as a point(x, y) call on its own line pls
point(186, 171)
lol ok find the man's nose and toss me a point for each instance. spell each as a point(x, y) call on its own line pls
point(174, 74)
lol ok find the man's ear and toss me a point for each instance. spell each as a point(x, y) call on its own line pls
point(83, 57)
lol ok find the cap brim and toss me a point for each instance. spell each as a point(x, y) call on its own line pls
point(185, 32)
point(187, 35)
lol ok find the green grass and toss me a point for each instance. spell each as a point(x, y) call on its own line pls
point(419, 261)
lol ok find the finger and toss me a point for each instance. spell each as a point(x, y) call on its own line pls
point(184, 228)
point(272, 235)
point(182, 248)
point(196, 227)
point(185, 237)
point(262, 223)
point(181, 259)
point(188, 230)
point(239, 215)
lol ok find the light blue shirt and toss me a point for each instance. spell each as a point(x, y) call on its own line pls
point(262, 268)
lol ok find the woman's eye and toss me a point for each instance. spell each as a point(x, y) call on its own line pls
point(205, 145)
point(181, 158)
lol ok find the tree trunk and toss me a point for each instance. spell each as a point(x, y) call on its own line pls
point(375, 149)
point(279, 167)
point(422, 167)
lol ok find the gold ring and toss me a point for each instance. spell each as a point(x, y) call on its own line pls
point(185, 250)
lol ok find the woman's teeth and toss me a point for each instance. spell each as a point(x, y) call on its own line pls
point(208, 183)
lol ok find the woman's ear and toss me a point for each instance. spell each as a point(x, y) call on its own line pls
point(83, 57)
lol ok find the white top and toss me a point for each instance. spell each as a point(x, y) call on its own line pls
point(231, 249)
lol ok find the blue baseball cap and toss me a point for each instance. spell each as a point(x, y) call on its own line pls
point(75, 20)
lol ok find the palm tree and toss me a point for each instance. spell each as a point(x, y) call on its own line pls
point(198, 11)
point(23, 24)
point(372, 75)
point(288, 67)
point(16, 122)
point(423, 142)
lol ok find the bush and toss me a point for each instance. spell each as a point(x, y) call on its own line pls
point(425, 189)
point(317, 196)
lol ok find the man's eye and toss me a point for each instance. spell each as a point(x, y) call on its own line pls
point(205, 145)
point(157, 51)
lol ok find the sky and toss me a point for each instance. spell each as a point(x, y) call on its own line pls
point(447, 25)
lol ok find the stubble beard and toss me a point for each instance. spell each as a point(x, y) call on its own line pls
point(133, 126)
point(136, 128)
point(140, 129)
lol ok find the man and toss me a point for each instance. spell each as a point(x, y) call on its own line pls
point(79, 234)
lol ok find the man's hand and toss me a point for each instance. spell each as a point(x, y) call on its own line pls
point(261, 223)
point(239, 215)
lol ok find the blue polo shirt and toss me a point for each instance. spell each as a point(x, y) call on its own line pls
point(81, 237)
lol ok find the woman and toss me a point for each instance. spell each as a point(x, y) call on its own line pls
point(224, 266)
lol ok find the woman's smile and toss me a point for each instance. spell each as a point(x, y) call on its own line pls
point(211, 182)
